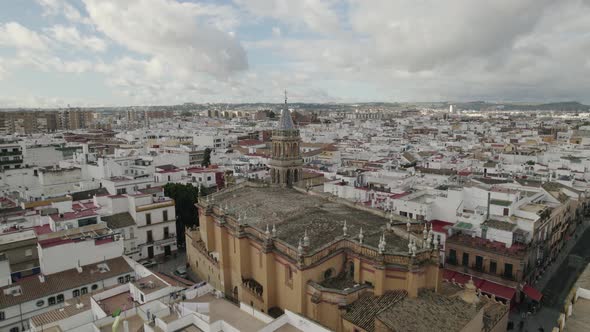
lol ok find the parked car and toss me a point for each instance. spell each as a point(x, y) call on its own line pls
point(149, 263)
point(181, 272)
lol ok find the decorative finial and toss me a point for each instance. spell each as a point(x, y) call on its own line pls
point(382, 244)
point(410, 246)
point(344, 228)
point(408, 226)
point(300, 248)
point(361, 236)
point(267, 231)
point(424, 232)
point(274, 230)
point(435, 242)
point(305, 239)
point(414, 248)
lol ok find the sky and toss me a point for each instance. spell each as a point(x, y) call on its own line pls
point(55, 53)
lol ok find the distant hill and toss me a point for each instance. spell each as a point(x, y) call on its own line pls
point(568, 106)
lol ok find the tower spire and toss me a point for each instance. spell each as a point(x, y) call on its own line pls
point(285, 98)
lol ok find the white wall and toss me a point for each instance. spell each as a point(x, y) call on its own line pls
point(70, 255)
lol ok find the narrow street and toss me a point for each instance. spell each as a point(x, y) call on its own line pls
point(557, 285)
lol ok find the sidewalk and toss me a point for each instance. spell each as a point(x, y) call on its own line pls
point(565, 251)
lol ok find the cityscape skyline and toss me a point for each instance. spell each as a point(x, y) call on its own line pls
point(162, 52)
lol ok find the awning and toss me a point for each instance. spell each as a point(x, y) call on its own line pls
point(486, 286)
point(532, 293)
point(498, 290)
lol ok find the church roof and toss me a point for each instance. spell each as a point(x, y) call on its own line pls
point(293, 213)
point(285, 122)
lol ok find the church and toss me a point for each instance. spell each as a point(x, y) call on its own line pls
point(276, 246)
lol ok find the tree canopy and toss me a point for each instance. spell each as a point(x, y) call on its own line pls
point(206, 158)
point(185, 196)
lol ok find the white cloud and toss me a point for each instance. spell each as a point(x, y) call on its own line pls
point(14, 35)
point(71, 36)
point(316, 15)
point(276, 31)
point(179, 36)
point(62, 7)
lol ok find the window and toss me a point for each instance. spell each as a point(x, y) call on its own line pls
point(121, 191)
point(479, 263)
point(493, 266)
point(60, 298)
point(508, 270)
point(86, 222)
point(148, 218)
point(121, 280)
point(453, 256)
point(141, 296)
point(465, 261)
point(2, 317)
point(83, 290)
point(51, 300)
point(128, 278)
point(208, 178)
point(165, 215)
point(40, 303)
point(29, 252)
point(506, 211)
point(76, 293)
point(94, 287)
point(14, 329)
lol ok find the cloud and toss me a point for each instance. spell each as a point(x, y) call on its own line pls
point(184, 38)
point(71, 36)
point(14, 35)
point(276, 31)
point(62, 7)
point(317, 15)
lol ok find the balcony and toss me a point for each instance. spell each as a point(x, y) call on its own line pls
point(13, 161)
point(11, 153)
point(478, 268)
point(452, 261)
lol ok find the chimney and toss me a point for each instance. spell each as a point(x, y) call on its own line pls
point(488, 210)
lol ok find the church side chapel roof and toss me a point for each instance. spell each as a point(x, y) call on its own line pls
point(293, 213)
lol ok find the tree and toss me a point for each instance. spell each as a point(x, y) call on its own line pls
point(185, 197)
point(186, 113)
point(206, 158)
point(271, 115)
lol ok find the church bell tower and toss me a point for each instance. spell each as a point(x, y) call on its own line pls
point(286, 162)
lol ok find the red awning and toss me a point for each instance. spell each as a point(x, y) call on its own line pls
point(498, 290)
point(485, 286)
point(532, 293)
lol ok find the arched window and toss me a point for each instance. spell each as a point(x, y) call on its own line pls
point(94, 287)
point(329, 273)
point(60, 298)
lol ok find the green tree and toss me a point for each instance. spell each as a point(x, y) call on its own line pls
point(271, 115)
point(186, 113)
point(206, 158)
point(185, 197)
